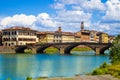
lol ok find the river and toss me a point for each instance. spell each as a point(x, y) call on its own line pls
point(20, 66)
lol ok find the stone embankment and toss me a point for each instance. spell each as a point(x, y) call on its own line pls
point(97, 77)
point(7, 49)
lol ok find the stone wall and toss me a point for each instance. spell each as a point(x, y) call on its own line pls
point(7, 49)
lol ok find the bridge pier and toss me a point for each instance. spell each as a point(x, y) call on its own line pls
point(34, 50)
point(97, 50)
point(62, 50)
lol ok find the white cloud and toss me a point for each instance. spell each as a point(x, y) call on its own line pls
point(69, 1)
point(113, 11)
point(74, 12)
point(73, 16)
point(43, 19)
point(58, 6)
point(21, 20)
point(93, 4)
point(105, 27)
point(85, 4)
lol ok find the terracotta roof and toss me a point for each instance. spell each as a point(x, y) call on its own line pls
point(19, 28)
point(41, 33)
point(68, 33)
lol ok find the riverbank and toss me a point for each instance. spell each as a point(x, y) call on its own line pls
point(85, 77)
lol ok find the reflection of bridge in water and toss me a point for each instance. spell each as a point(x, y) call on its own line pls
point(64, 48)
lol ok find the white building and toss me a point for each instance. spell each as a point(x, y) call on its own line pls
point(18, 36)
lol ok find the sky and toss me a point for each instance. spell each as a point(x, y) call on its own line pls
point(48, 15)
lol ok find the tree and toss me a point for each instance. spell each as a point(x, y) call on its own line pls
point(115, 50)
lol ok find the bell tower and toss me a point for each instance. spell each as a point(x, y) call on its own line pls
point(82, 26)
point(59, 29)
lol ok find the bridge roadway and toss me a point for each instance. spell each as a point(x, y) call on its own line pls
point(64, 48)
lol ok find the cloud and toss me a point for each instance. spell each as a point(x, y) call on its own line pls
point(73, 16)
point(85, 4)
point(112, 16)
point(113, 11)
point(58, 6)
point(69, 14)
point(43, 19)
point(21, 20)
point(93, 5)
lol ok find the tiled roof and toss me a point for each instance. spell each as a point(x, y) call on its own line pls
point(19, 28)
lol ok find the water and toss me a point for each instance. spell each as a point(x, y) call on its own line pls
point(20, 66)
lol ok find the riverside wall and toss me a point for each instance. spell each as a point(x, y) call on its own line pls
point(7, 49)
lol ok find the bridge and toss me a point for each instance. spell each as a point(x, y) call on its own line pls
point(64, 48)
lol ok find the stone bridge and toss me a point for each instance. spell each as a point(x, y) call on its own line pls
point(64, 48)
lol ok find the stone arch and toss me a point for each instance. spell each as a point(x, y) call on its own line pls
point(21, 49)
point(69, 48)
point(42, 48)
point(102, 50)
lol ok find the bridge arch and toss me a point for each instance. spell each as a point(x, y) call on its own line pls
point(69, 48)
point(42, 48)
point(21, 49)
point(102, 50)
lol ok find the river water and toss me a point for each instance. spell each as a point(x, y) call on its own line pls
point(20, 66)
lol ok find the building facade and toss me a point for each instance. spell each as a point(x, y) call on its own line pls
point(18, 36)
point(55, 37)
point(0, 38)
point(22, 36)
point(103, 37)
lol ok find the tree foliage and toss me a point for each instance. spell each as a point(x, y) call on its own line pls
point(115, 49)
point(27, 51)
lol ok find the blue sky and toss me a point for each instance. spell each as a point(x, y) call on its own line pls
point(46, 15)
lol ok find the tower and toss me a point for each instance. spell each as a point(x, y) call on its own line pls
point(59, 29)
point(82, 26)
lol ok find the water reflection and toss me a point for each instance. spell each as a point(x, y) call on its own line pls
point(20, 66)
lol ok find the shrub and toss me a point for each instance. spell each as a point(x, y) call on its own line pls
point(98, 72)
point(29, 78)
point(115, 50)
point(104, 65)
point(27, 51)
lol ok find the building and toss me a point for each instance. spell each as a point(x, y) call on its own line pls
point(77, 38)
point(55, 37)
point(111, 38)
point(93, 36)
point(103, 37)
point(68, 37)
point(18, 36)
point(22, 36)
point(0, 38)
point(45, 37)
point(83, 34)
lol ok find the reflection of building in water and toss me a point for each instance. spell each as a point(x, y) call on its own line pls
point(18, 36)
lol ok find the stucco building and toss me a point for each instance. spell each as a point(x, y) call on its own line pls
point(0, 38)
point(18, 36)
point(55, 37)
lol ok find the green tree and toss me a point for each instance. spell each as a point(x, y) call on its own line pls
point(115, 50)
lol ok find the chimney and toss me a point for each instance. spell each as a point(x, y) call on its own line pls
point(82, 26)
point(59, 29)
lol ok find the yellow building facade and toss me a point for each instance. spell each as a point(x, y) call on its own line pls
point(105, 38)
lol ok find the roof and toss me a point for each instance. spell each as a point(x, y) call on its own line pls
point(19, 28)
point(68, 33)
